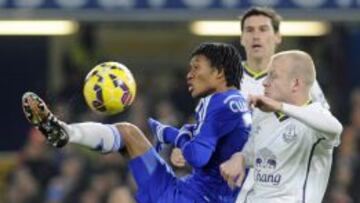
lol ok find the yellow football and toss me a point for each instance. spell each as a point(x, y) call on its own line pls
point(109, 88)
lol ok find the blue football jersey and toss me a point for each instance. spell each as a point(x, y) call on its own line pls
point(223, 123)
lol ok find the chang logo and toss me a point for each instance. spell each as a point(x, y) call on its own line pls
point(273, 179)
point(265, 166)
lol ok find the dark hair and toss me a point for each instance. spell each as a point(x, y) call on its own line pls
point(268, 12)
point(223, 57)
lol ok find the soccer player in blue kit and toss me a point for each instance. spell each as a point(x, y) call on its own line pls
point(223, 122)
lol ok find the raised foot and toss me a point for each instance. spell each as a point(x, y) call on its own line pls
point(38, 115)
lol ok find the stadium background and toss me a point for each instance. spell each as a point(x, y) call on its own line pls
point(152, 37)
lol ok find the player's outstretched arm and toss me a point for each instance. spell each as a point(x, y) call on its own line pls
point(314, 116)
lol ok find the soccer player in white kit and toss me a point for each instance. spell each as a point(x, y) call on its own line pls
point(260, 37)
point(292, 140)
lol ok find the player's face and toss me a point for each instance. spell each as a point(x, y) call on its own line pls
point(278, 83)
point(201, 78)
point(258, 37)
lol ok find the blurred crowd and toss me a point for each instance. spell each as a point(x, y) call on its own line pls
point(345, 187)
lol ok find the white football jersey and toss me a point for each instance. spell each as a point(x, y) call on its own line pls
point(291, 160)
point(252, 83)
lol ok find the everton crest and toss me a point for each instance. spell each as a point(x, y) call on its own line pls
point(289, 134)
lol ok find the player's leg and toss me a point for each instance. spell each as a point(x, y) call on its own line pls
point(134, 140)
point(97, 136)
point(146, 165)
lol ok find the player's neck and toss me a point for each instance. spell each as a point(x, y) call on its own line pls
point(224, 88)
point(257, 65)
point(300, 99)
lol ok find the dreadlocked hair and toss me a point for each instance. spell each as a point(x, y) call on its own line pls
point(223, 57)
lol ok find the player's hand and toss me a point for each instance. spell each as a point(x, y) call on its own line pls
point(177, 158)
point(157, 130)
point(264, 103)
point(233, 170)
point(185, 131)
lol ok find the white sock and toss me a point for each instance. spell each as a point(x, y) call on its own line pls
point(97, 136)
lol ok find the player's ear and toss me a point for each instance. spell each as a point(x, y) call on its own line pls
point(242, 42)
point(296, 84)
point(278, 38)
point(220, 73)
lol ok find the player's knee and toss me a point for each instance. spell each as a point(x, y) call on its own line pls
point(126, 128)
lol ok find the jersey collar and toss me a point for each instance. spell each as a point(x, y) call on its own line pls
point(252, 73)
point(281, 116)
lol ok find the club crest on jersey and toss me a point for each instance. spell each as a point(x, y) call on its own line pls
point(289, 134)
point(265, 165)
